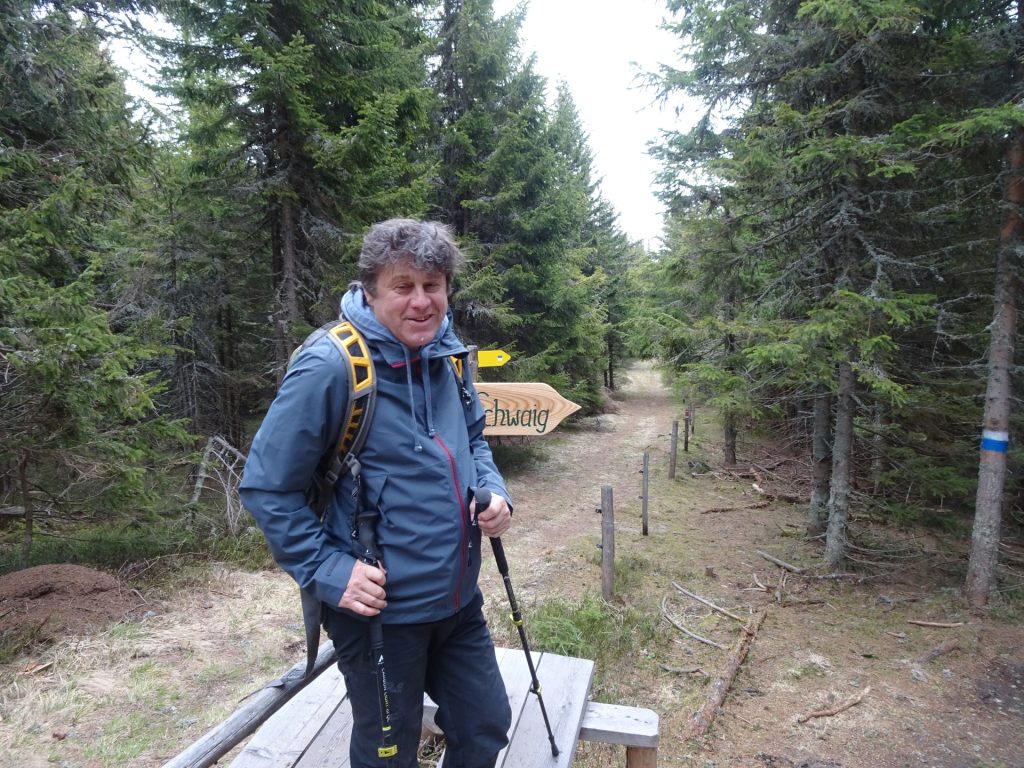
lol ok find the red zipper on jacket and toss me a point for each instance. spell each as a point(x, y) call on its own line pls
point(463, 522)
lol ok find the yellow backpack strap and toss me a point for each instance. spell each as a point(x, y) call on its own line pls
point(362, 391)
point(362, 387)
point(456, 364)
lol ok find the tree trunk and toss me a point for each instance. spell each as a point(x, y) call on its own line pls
point(821, 460)
point(995, 439)
point(230, 418)
point(26, 538)
point(842, 459)
point(729, 427)
point(289, 271)
point(877, 448)
point(609, 376)
point(729, 433)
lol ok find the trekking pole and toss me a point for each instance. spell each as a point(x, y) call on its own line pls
point(483, 500)
point(366, 523)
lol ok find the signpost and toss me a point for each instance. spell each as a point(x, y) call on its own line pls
point(516, 408)
point(522, 409)
point(492, 358)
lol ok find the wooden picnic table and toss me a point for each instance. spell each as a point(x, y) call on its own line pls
point(311, 728)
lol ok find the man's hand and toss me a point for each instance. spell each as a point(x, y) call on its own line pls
point(496, 519)
point(365, 591)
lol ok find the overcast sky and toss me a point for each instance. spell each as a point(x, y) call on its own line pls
point(597, 47)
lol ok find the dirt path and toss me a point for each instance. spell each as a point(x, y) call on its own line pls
point(137, 692)
point(556, 503)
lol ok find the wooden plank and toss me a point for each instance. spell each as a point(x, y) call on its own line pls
point(285, 737)
point(330, 746)
point(565, 684)
point(615, 724)
point(258, 707)
point(516, 674)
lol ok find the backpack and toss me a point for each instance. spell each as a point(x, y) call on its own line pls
point(362, 395)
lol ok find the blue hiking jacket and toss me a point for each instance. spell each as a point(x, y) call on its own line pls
point(424, 449)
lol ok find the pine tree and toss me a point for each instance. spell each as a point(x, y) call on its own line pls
point(79, 428)
point(815, 171)
point(515, 184)
point(325, 103)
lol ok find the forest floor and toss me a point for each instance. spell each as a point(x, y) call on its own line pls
point(884, 668)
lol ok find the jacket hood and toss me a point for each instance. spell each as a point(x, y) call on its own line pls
point(356, 309)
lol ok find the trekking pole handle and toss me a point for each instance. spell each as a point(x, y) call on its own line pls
point(483, 500)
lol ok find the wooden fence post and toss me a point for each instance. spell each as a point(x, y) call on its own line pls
point(607, 543)
point(646, 487)
point(673, 453)
point(686, 429)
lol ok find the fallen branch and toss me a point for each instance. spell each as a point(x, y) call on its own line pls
point(758, 505)
point(681, 670)
point(718, 688)
point(780, 563)
point(760, 587)
point(940, 650)
point(708, 603)
point(801, 601)
point(684, 630)
point(937, 624)
point(850, 702)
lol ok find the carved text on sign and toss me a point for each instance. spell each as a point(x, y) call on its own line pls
point(522, 408)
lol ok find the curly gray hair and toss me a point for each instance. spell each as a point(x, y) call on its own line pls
point(427, 245)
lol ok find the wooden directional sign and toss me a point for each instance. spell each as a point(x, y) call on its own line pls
point(492, 358)
point(522, 409)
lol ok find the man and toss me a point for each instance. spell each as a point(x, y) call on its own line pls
point(424, 450)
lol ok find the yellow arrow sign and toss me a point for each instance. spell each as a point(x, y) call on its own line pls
point(492, 358)
point(522, 409)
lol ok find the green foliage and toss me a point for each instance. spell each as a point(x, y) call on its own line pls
point(832, 207)
point(591, 629)
point(81, 428)
point(515, 458)
point(108, 546)
point(516, 186)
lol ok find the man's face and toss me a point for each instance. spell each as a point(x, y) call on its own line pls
point(410, 303)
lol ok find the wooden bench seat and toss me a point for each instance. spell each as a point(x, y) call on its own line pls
point(306, 724)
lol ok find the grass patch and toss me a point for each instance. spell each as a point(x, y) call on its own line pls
point(116, 546)
point(517, 458)
point(105, 546)
point(592, 629)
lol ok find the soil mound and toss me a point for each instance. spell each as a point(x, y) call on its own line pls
point(46, 601)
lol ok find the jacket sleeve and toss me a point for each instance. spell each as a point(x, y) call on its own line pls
point(487, 474)
point(300, 427)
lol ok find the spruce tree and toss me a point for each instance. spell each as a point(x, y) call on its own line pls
point(324, 104)
point(79, 431)
point(849, 220)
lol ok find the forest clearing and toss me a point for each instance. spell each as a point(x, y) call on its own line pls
point(933, 685)
point(833, 577)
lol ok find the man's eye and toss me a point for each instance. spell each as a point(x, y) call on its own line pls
point(432, 287)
